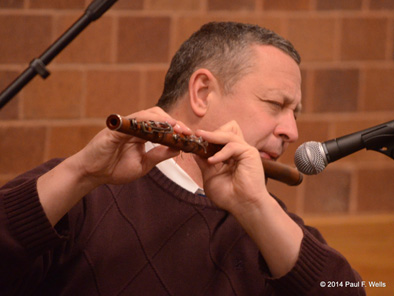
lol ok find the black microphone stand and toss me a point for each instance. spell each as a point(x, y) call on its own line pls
point(95, 10)
point(380, 138)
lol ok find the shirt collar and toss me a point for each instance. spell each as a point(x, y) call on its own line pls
point(175, 173)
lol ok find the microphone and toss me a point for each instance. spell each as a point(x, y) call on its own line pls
point(312, 157)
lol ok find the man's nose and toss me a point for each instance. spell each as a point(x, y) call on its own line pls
point(287, 128)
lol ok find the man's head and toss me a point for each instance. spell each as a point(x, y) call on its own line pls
point(225, 49)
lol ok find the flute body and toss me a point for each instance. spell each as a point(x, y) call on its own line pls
point(163, 133)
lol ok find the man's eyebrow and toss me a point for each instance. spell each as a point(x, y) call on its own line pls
point(289, 101)
point(298, 108)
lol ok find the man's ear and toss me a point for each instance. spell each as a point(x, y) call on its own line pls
point(203, 86)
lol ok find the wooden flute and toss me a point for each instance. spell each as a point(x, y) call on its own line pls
point(163, 133)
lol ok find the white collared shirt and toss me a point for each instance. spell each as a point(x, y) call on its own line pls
point(175, 173)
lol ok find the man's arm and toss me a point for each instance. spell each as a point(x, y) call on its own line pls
point(298, 261)
point(234, 180)
point(110, 158)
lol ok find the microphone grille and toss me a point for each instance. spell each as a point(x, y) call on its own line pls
point(310, 158)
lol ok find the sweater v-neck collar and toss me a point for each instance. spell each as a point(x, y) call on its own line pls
point(178, 192)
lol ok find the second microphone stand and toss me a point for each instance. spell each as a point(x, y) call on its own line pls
point(38, 65)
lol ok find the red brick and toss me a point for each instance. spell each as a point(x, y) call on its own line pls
point(306, 90)
point(153, 88)
point(286, 4)
point(59, 96)
point(327, 192)
point(375, 190)
point(112, 92)
point(307, 131)
point(11, 3)
point(339, 5)
point(6, 178)
point(381, 4)
point(188, 25)
point(58, 4)
point(21, 148)
point(287, 194)
point(67, 140)
point(312, 130)
point(128, 4)
point(10, 110)
point(231, 5)
point(273, 23)
point(92, 45)
point(364, 39)
point(379, 91)
point(23, 37)
point(143, 39)
point(336, 90)
point(314, 38)
point(174, 5)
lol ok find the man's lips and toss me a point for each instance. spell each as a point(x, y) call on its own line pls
point(269, 155)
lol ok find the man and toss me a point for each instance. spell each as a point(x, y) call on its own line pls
point(107, 221)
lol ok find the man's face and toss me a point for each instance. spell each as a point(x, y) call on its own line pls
point(264, 102)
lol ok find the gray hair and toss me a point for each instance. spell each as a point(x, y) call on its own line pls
point(224, 48)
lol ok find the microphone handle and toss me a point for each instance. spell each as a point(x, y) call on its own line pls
point(163, 133)
point(379, 138)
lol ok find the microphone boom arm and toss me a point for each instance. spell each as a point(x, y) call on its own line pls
point(379, 138)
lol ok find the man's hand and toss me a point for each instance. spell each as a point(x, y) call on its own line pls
point(234, 180)
point(234, 177)
point(110, 158)
point(116, 158)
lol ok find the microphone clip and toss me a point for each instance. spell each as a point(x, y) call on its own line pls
point(381, 139)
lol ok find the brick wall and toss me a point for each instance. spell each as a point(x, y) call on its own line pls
point(118, 63)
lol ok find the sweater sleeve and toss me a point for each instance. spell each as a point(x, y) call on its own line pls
point(26, 236)
point(26, 220)
point(319, 270)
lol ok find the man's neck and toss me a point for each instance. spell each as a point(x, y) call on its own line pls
point(188, 164)
point(186, 161)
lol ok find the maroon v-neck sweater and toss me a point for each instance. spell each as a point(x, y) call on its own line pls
point(148, 237)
